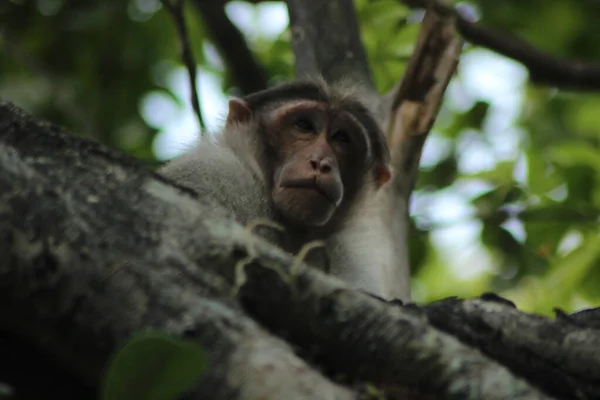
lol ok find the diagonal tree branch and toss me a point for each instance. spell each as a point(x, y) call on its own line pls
point(416, 102)
point(243, 68)
point(74, 285)
point(88, 267)
point(543, 68)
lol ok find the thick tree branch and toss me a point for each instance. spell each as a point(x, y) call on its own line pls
point(326, 41)
point(416, 102)
point(525, 350)
point(176, 10)
point(108, 248)
point(243, 68)
point(90, 254)
point(543, 68)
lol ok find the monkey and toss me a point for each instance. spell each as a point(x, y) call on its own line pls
point(311, 157)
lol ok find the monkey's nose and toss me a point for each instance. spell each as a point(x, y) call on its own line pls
point(323, 166)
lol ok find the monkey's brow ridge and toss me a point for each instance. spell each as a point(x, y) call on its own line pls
point(290, 91)
point(306, 90)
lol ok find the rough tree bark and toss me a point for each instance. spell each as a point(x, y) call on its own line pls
point(94, 247)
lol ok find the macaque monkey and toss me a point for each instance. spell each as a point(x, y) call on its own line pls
point(310, 157)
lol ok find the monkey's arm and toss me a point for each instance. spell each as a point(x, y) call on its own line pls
point(217, 175)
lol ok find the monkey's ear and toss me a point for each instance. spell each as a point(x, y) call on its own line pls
point(382, 175)
point(238, 112)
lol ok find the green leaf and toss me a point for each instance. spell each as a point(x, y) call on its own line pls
point(6, 391)
point(540, 178)
point(476, 115)
point(498, 238)
point(581, 183)
point(443, 174)
point(489, 204)
point(583, 116)
point(502, 174)
point(565, 276)
point(570, 272)
point(560, 213)
point(154, 366)
point(571, 154)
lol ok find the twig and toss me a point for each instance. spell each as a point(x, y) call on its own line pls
point(176, 10)
point(543, 68)
point(242, 66)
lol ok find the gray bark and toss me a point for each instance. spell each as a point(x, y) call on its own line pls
point(326, 40)
point(95, 247)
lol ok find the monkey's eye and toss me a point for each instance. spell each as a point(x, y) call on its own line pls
point(341, 136)
point(304, 125)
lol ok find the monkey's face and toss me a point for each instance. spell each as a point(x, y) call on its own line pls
point(320, 160)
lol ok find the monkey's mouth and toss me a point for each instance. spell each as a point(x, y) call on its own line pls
point(309, 183)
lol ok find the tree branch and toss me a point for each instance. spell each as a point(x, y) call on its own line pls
point(409, 111)
point(416, 101)
point(243, 68)
point(75, 284)
point(326, 41)
point(176, 10)
point(88, 267)
point(543, 68)
point(556, 371)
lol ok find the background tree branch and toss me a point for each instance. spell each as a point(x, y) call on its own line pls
point(416, 102)
point(326, 41)
point(176, 9)
point(241, 64)
point(543, 68)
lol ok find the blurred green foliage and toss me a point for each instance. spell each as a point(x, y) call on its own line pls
point(87, 65)
point(154, 365)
